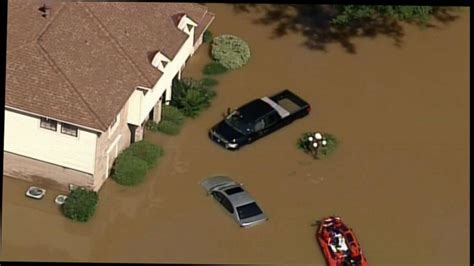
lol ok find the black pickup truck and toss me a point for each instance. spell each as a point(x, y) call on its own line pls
point(258, 118)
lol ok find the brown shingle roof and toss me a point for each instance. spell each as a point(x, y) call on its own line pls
point(82, 63)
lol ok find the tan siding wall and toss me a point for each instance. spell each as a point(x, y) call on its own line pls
point(105, 142)
point(43, 173)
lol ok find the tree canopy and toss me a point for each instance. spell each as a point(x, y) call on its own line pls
point(349, 13)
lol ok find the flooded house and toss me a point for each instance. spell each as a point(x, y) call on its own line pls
point(83, 78)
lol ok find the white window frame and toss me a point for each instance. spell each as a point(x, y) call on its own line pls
point(68, 125)
point(43, 119)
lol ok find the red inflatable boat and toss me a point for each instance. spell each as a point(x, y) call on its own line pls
point(339, 243)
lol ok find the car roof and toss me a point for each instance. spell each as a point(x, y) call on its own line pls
point(216, 181)
point(237, 199)
point(255, 109)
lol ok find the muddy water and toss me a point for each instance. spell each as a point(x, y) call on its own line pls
point(399, 178)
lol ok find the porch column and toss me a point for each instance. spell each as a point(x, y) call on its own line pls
point(168, 95)
point(139, 133)
point(157, 111)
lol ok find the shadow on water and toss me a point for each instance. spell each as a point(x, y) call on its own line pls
point(314, 23)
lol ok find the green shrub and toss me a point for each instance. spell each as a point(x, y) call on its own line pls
point(80, 205)
point(209, 82)
point(214, 68)
point(169, 127)
point(207, 36)
point(191, 96)
point(129, 170)
point(146, 151)
point(151, 125)
point(323, 151)
point(172, 114)
point(230, 51)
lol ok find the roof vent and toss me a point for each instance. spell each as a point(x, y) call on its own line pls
point(45, 10)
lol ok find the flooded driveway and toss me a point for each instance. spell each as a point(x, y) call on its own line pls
point(399, 178)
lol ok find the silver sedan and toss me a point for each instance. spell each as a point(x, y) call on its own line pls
point(236, 201)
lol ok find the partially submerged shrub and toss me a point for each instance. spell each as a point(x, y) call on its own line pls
point(207, 36)
point(172, 114)
point(305, 142)
point(129, 170)
point(230, 51)
point(80, 205)
point(151, 125)
point(191, 96)
point(169, 127)
point(171, 121)
point(214, 68)
point(146, 151)
point(209, 82)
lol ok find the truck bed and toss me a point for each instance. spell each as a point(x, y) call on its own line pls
point(289, 101)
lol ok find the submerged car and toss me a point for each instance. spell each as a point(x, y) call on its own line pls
point(258, 118)
point(236, 201)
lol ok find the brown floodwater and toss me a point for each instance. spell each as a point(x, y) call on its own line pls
point(399, 177)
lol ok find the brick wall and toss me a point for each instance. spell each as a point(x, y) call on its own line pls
point(105, 142)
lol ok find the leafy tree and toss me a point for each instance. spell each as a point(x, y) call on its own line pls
point(350, 13)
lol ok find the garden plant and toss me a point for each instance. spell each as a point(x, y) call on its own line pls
point(191, 96)
point(319, 145)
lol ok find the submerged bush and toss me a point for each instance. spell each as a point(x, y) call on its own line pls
point(129, 170)
point(145, 151)
point(171, 121)
point(80, 205)
point(305, 142)
point(209, 82)
point(169, 127)
point(172, 114)
point(230, 51)
point(214, 68)
point(207, 36)
point(191, 96)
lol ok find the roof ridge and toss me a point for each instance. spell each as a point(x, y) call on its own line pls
point(20, 46)
point(48, 24)
point(115, 42)
point(57, 69)
point(69, 83)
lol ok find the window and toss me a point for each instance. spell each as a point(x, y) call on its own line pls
point(248, 210)
point(48, 124)
point(69, 130)
point(232, 191)
point(260, 125)
point(223, 200)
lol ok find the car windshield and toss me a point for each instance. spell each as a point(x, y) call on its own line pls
point(248, 210)
point(239, 122)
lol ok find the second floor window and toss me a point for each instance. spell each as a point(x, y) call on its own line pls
point(69, 130)
point(48, 124)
